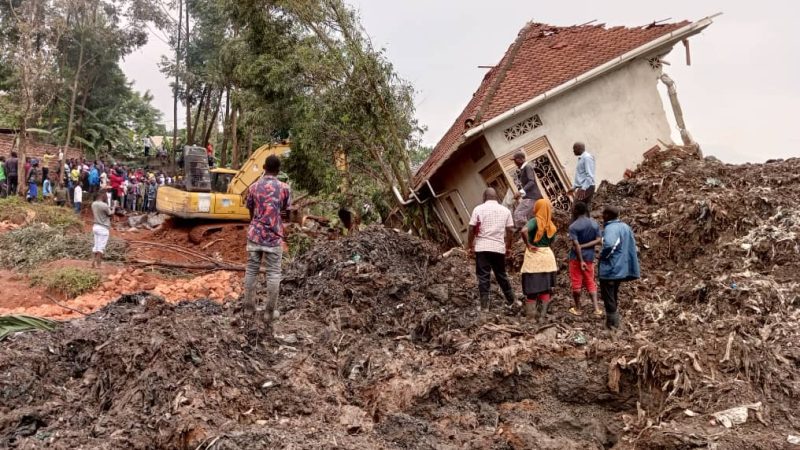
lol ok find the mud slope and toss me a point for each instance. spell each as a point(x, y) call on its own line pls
point(380, 345)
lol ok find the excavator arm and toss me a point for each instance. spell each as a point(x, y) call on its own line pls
point(253, 168)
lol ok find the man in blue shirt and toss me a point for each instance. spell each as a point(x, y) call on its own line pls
point(584, 235)
point(618, 262)
point(584, 182)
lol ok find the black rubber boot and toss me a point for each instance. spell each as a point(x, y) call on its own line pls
point(612, 321)
point(543, 314)
point(531, 310)
point(509, 297)
point(485, 301)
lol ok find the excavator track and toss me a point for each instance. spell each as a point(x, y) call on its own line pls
point(199, 233)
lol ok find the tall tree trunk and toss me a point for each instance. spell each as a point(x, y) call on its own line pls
point(74, 98)
point(175, 86)
point(22, 179)
point(235, 138)
point(249, 142)
point(226, 128)
point(189, 140)
point(213, 123)
point(204, 98)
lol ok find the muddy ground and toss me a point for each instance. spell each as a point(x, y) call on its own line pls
point(380, 344)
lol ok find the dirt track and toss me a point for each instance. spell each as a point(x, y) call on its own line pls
point(380, 345)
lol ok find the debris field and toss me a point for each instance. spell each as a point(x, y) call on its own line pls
point(380, 344)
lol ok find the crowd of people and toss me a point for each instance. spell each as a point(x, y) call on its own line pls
point(130, 189)
point(492, 228)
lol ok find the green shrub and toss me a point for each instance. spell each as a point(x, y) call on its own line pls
point(71, 281)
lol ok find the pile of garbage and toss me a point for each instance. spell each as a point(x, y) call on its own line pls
point(381, 345)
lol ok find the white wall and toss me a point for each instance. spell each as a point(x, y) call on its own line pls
point(618, 116)
point(460, 172)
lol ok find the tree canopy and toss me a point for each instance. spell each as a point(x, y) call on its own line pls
point(61, 71)
point(303, 70)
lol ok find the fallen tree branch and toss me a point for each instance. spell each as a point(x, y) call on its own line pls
point(209, 267)
point(65, 306)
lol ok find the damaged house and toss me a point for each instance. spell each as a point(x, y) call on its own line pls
point(553, 87)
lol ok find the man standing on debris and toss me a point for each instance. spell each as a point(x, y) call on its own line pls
point(102, 226)
point(489, 238)
point(266, 199)
point(77, 198)
point(584, 234)
point(584, 181)
point(528, 190)
point(12, 174)
point(618, 262)
point(61, 194)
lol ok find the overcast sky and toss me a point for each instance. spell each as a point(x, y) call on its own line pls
point(739, 96)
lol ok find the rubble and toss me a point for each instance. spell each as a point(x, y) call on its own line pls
point(381, 345)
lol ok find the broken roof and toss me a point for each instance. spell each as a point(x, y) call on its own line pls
point(544, 57)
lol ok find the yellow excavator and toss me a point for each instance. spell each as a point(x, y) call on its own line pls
point(215, 194)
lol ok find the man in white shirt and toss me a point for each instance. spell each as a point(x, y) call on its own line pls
point(490, 231)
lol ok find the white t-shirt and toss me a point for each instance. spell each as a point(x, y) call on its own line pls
point(77, 196)
point(494, 218)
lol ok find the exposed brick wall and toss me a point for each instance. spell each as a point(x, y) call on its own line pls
point(36, 150)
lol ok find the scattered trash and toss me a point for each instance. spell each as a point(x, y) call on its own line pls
point(794, 440)
point(735, 416)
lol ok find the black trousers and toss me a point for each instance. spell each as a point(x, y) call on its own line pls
point(485, 264)
point(609, 292)
point(12, 184)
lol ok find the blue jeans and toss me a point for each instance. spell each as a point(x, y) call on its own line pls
point(77, 206)
point(273, 255)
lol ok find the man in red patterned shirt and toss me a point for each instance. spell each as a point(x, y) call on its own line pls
point(266, 199)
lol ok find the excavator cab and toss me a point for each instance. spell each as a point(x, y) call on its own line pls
point(195, 169)
point(221, 179)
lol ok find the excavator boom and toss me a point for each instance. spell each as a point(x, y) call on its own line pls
point(253, 168)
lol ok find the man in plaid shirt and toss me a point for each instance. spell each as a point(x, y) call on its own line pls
point(489, 238)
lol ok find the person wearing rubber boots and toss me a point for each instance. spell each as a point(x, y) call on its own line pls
point(618, 262)
point(539, 266)
point(528, 190)
point(266, 199)
point(489, 238)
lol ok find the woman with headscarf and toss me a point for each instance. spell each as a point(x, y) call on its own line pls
point(539, 266)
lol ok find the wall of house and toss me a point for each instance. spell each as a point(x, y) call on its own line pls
point(462, 173)
point(618, 116)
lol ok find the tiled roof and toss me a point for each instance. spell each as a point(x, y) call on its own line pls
point(541, 58)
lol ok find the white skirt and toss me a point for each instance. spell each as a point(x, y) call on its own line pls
point(100, 238)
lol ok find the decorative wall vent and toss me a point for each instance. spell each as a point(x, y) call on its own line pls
point(522, 127)
point(655, 62)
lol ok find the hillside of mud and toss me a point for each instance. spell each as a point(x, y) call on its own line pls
point(380, 345)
